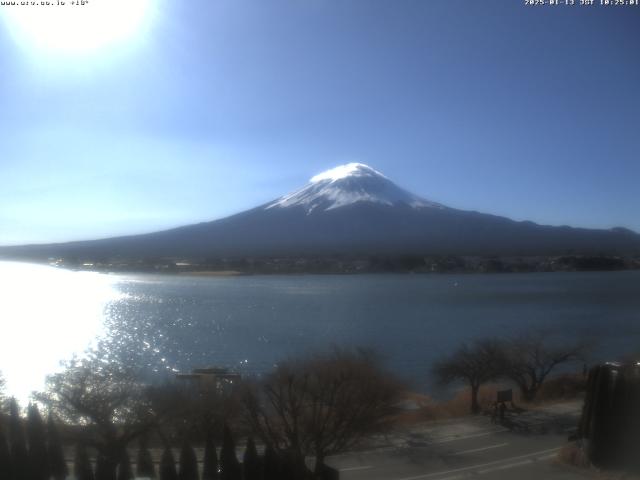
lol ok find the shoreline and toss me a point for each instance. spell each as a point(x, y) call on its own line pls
point(210, 273)
point(230, 272)
point(346, 265)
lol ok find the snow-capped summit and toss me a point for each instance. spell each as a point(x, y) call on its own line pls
point(348, 184)
point(347, 170)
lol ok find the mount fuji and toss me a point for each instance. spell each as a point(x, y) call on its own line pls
point(354, 210)
point(349, 184)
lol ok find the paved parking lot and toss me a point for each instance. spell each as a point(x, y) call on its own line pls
point(525, 447)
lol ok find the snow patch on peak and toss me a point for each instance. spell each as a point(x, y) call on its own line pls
point(349, 184)
point(347, 170)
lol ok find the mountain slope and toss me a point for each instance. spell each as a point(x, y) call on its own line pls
point(349, 184)
point(352, 209)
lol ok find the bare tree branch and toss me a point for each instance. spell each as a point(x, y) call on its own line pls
point(474, 364)
point(322, 405)
point(532, 356)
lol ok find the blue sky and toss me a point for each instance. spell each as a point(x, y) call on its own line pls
point(213, 106)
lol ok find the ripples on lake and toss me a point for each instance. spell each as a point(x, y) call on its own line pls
point(164, 324)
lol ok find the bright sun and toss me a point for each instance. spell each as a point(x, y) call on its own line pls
point(74, 26)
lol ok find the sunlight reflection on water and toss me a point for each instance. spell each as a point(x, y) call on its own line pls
point(48, 315)
point(162, 324)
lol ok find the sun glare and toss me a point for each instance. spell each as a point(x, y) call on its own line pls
point(65, 320)
point(76, 26)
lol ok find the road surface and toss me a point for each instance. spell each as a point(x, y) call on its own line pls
point(471, 447)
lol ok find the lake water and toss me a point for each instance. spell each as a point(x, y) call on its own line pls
point(249, 323)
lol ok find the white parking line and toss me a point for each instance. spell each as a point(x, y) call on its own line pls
point(499, 464)
point(474, 450)
point(476, 435)
point(351, 469)
point(517, 464)
point(439, 442)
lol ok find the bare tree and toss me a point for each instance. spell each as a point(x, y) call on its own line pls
point(475, 364)
point(105, 398)
point(322, 405)
point(190, 411)
point(532, 356)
